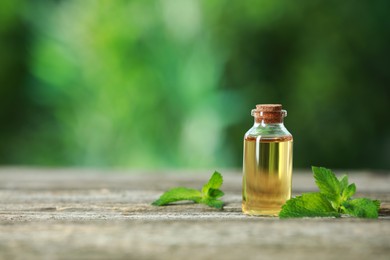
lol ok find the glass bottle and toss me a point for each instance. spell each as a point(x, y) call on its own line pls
point(267, 166)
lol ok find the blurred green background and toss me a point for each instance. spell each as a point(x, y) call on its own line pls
point(170, 83)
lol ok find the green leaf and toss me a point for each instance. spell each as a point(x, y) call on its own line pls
point(215, 193)
point(208, 195)
point(215, 182)
point(362, 208)
point(328, 184)
point(214, 203)
point(308, 205)
point(349, 191)
point(177, 194)
point(343, 183)
point(378, 204)
point(333, 199)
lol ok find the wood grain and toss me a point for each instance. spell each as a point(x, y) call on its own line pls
point(91, 214)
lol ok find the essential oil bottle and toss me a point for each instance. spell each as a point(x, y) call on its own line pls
point(267, 166)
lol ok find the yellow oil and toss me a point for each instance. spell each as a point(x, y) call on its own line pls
point(267, 175)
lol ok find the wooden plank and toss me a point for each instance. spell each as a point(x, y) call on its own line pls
point(79, 214)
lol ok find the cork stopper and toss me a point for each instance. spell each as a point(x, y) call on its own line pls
point(269, 113)
point(269, 107)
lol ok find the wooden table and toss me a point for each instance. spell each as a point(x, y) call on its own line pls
point(83, 214)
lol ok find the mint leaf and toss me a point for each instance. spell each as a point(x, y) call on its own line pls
point(308, 205)
point(215, 182)
point(333, 199)
point(177, 194)
point(214, 203)
point(349, 191)
point(208, 195)
point(328, 184)
point(362, 208)
point(215, 193)
point(343, 183)
point(378, 204)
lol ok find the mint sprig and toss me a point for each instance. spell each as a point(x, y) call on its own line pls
point(333, 199)
point(209, 194)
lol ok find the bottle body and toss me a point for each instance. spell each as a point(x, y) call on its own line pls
point(267, 168)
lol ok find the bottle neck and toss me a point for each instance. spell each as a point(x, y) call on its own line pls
point(268, 122)
point(268, 129)
point(265, 122)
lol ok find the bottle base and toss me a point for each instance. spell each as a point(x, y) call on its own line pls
point(270, 212)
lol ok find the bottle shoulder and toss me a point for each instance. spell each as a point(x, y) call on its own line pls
point(269, 131)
